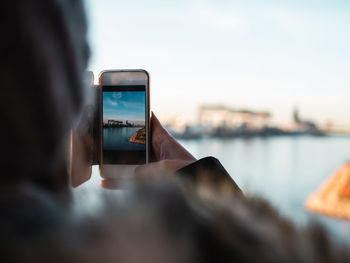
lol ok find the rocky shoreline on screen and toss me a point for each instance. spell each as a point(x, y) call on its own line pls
point(139, 137)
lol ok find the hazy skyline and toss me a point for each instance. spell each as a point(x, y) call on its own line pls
point(263, 55)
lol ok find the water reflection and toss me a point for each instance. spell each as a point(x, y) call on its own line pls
point(118, 139)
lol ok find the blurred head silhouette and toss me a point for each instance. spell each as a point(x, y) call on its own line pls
point(43, 62)
point(160, 221)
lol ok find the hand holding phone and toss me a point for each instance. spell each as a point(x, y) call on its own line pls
point(169, 156)
point(121, 133)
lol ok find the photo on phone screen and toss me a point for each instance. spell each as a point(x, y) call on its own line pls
point(123, 124)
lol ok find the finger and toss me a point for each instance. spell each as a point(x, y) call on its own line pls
point(116, 172)
point(173, 150)
point(159, 135)
point(111, 184)
point(164, 145)
point(161, 168)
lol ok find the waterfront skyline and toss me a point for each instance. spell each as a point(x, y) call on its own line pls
point(266, 56)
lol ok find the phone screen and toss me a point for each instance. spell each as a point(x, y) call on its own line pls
point(123, 124)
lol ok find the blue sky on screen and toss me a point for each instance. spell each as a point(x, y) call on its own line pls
point(124, 106)
point(253, 54)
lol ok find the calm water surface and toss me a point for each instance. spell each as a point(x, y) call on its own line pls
point(283, 170)
point(118, 139)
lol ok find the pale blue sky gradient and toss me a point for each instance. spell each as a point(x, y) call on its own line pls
point(262, 55)
point(124, 106)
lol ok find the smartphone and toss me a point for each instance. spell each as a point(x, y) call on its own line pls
point(124, 121)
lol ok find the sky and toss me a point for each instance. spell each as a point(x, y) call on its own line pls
point(127, 105)
point(259, 55)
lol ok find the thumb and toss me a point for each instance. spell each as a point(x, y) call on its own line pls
point(161, 168)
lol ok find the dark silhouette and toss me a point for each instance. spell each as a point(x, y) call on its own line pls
point(44, 54)
point(166, 221)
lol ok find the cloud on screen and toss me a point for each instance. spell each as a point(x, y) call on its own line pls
point(127, 105)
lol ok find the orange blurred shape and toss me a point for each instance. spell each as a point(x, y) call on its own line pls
point(345, 191)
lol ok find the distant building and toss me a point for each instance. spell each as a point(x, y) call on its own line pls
point(113, 122)
point(303, 125)
point(222, 116)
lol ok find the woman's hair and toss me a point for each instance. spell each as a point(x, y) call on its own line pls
point(163, 221)
point(43, 62)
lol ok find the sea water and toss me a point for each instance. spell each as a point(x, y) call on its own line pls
point(118, 139)
point(283, 170)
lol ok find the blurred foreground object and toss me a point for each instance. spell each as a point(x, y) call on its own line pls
point(158, 220)
point(84, 141)
point(333, 197)
point(42, 68)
